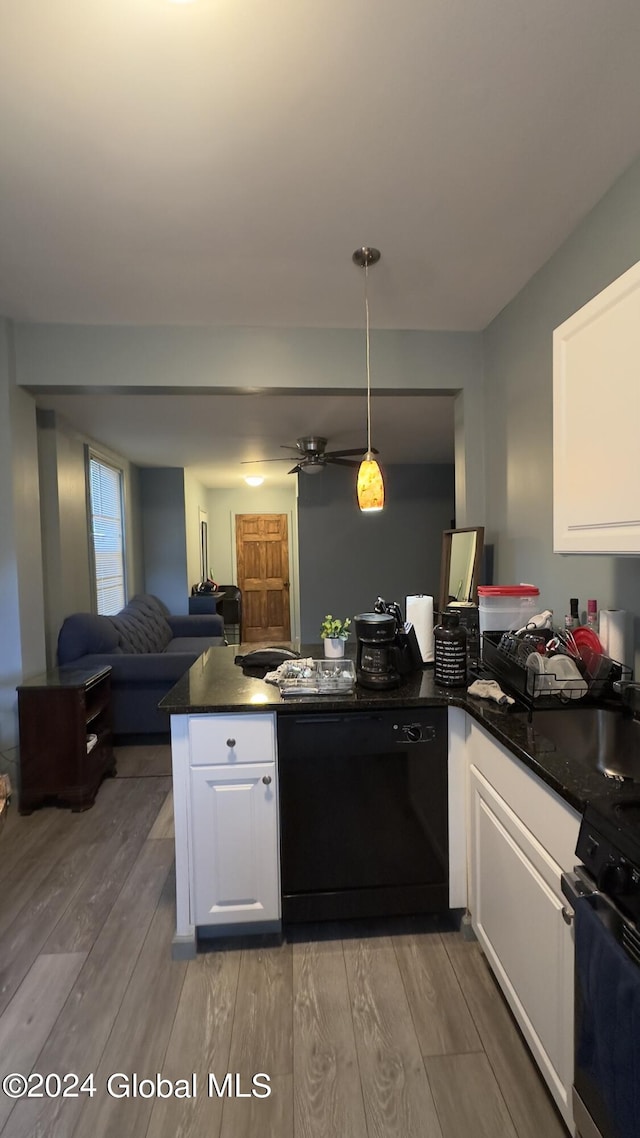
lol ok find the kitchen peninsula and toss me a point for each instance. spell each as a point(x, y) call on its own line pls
point(224, 721)
point(511, 805)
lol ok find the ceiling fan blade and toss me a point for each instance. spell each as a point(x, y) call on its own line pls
point(255, 461)
point(345, 453)
point(342, 461)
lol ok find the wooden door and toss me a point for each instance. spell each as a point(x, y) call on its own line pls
point(262, 554)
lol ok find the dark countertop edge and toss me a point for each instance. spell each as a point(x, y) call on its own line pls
point(508, 725)
point(496, 721)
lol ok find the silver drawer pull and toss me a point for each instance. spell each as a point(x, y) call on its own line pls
point(567, 915)
point(231, 743)
point(266, 778)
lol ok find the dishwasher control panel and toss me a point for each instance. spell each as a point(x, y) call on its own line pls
point(416, 732)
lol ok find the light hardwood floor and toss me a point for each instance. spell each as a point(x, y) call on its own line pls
point(374, 1030)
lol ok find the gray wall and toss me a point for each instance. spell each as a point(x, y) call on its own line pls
point(195, 500)
point(519, 426)
point(22, 646)
point(347, 559)
point(164, 539)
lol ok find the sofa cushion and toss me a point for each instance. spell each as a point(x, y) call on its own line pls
point(142, 625)
point(84, 633)
point(145, 670)
point(200, 624)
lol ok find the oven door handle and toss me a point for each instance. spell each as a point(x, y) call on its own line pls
point(577, 885)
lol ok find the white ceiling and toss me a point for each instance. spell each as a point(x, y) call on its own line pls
point(217, 162)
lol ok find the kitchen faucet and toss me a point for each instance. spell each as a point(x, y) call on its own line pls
point(629, 692)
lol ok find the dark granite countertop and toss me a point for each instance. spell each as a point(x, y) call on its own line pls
point(216, 684)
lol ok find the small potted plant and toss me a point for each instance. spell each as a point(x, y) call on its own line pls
point(335, 632)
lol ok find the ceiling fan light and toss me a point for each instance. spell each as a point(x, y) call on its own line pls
point(370, 485)
point(312, 467)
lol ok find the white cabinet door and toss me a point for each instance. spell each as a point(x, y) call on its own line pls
point(234, 844)
point(596, 419)
point(520, 919)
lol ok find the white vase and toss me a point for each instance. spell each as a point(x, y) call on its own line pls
point(333, 647)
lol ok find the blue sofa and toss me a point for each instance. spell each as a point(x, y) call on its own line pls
point(148, 650)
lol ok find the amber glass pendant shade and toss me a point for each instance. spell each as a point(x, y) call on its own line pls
point(370, 485)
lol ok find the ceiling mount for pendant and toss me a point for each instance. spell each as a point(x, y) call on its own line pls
point(366, 256)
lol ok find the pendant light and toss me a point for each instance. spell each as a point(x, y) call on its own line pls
point(370, 485)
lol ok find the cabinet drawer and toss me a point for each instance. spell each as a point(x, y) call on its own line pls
point(231, 739)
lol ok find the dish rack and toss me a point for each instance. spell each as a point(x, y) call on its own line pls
point(317, 677)
point(598, 672)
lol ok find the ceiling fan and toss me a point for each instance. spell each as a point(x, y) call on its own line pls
point(312, 456)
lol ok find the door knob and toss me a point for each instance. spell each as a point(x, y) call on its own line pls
point(266, 779)
point(231, 743)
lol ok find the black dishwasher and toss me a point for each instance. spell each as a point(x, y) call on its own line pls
point(363, 813)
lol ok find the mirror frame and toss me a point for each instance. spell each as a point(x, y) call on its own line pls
point(445, 563)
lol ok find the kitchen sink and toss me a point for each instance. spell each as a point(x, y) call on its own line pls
point(596, 737)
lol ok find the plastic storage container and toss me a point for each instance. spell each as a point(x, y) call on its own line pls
point(503, 607)
point(317, 677)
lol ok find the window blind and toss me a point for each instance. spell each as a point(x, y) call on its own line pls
point(107, 528)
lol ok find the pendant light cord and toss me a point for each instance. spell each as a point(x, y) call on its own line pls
point(366, 309)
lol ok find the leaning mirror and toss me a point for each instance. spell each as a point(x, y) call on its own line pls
point(460, 565)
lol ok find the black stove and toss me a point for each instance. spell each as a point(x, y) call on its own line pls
point(604, 891)
point(609, 849)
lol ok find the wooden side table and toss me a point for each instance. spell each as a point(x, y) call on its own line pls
point(65, 737)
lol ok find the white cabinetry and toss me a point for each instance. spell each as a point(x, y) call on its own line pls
point(235, 844)
point(522, 836)
point(596, 412)
point(226, 823)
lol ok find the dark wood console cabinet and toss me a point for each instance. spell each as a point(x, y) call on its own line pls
point(59, 714)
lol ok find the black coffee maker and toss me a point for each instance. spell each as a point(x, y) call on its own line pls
point(387, 648)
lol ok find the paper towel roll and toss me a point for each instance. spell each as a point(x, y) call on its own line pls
point(419, 610)
point(615, 634)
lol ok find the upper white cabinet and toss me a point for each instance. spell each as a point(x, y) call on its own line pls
point(596, 423)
